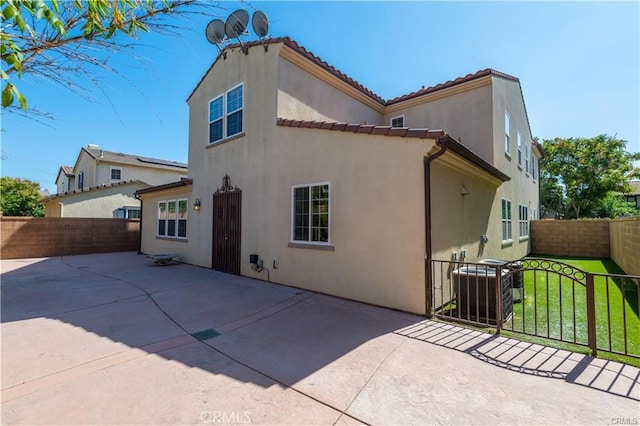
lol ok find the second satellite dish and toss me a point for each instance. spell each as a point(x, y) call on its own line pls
point(260, 24)
point(215, 31)
point(236, 23)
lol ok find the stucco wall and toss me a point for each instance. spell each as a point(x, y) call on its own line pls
point(151, 175)
point(303, 97)
point(465, 115)
point(588, 238)
point(102, 202)
point(625, 243)
point(24, 237)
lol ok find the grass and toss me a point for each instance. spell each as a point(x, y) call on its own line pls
point(555, 309)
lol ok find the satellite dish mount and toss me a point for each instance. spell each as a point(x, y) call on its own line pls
point(219, 32)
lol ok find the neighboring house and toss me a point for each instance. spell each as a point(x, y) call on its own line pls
point(633, 196)
point(103, 183)
point(337, 190)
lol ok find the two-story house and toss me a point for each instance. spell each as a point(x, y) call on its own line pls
point(103, 183)
point(300, 175)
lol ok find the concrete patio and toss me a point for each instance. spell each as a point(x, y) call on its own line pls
point(106, 339)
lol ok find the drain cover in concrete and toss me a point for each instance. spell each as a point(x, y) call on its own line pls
point(207, 334)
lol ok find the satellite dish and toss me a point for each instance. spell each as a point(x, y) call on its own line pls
point(236, 23)
point(215, 31)
point(260, 24)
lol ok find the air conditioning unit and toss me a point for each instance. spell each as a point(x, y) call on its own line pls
point(475, 288)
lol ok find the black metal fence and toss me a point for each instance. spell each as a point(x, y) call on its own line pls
point(543, 298)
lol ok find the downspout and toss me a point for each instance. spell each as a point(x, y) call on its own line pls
point(137, 196)
point(427, 224)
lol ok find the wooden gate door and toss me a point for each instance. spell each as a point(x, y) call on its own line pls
point(227, 210)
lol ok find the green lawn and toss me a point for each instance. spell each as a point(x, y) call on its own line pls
point(555, 308)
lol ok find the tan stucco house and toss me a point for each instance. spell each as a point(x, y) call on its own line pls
point(339, 191)
point(103, 183)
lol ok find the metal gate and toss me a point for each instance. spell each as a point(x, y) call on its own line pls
point(227, 213)
point(543, 298)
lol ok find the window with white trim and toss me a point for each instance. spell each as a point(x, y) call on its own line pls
point(172, 218)
point(533, 167)
point(80, 180)
point(507, 133)
point(115, 173)
point(506, 220)
point(310, 213)
point(523, 220)
point(397, 121)
point(526, 158)
point(226, 114)
point(128, 213)
point(519, 151)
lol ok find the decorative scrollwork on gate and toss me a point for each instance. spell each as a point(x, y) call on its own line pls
point(226, 185)
point(554, 266)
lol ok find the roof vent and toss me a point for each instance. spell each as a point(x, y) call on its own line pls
point(93, 146)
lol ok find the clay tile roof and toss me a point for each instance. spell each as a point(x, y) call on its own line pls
point(451, 83)
point(181, 182)
point(67, 170)
point(439, 135)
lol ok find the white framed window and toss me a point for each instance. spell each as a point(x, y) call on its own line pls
point(172, 218)
point(519, 151)
point(526, 159)
point(523, 221)
point(128, 213)
point(507, 134)
point(506, 220)
point(397, 121)
point(533, 167)
point(311, 213)
point(81, 180)
point(115, 173)
point(226, 114)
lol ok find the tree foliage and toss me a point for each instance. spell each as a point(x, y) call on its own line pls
point(20, 197)
point(578, 174)
point(59, 40)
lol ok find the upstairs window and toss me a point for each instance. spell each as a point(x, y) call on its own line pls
point(397, 121)
point(533, 167)
point(519, 151)
point(526, 159)
point(80, 180)
point(226, 114)
point(116, 173)
point(311, 213)
point(507, 134)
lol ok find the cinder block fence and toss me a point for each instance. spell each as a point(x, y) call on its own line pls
point(24, 237)
point(618, 239)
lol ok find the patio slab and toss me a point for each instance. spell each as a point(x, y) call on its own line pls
point(106, 339)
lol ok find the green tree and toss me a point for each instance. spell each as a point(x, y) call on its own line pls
point(59, 40)
point(585, 170)
point(614, 206)
point(20, 197)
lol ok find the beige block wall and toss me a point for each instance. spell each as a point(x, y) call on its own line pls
point(585, 238)
point(625, 243)
point(24, 237)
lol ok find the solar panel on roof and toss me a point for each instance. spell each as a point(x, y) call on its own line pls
point(161, 162)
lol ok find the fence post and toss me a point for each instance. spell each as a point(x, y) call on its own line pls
point(498, 299)
point(591, 315)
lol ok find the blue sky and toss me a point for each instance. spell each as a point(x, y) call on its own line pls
point(578, 64)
